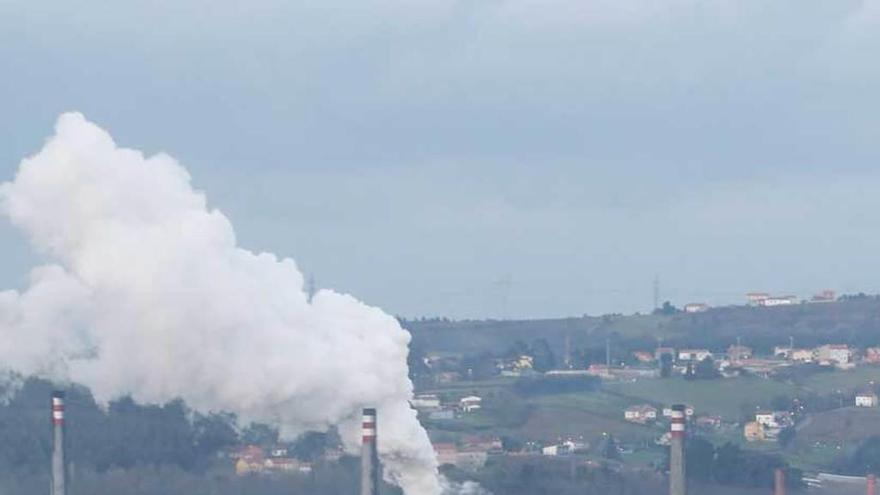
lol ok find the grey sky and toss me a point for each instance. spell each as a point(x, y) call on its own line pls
point(416, 154)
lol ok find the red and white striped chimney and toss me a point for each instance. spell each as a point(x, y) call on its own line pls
point(369, 426)
point(872, 484)
point(677, 482)
point(58, 408)
point(59, 469)
point(369, 455)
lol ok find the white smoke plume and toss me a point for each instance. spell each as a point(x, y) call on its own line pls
point(149, 295)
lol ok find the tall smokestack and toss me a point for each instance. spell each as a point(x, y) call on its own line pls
point(369, 456)
point(677, 485)
point(872, 484)
point(779, 482)
point(59, 469)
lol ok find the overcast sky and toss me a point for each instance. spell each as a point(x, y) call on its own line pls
point(488, 158)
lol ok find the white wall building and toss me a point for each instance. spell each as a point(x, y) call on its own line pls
point(640, 414)
point(693, 354)
point(866, 400)
point(834, 353)
point(425, 402)
point(470, 403)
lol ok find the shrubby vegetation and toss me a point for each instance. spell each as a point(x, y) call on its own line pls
point(733, 466)
point(132, 449)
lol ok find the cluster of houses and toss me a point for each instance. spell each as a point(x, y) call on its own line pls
point(767, 425)
point(253, 459)
point(568, 446)
point(646, 414)
point(767, 300)
point(738, 358)
point(437, 409)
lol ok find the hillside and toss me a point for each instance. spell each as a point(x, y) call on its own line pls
point(855, 322)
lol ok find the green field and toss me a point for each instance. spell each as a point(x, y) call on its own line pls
point(716, 397)
point(846, 381)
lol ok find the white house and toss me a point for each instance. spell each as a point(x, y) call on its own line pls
point(693, 354)
point(757, 298)
point(866, 400)
point(688, 411)
point(696, 308)
point(773, 419)
point(766, 418)
point(470, 403)
point(802, 355)
point(641, 413)
point(550, 450)
point(834, 353)
point(425, 402)
point(778, 301)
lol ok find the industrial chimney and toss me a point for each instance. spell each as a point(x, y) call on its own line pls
point(59, 469)
point(677, 484)
point(872, 484)
point(369, 455)
point(778, 482)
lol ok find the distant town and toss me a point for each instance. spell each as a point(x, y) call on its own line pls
point(776, 383)
point(605, 399)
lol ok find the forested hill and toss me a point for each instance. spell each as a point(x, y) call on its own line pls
point(855, 321)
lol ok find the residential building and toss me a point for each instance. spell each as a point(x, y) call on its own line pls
point(286, 465)
point(425, 402)
point(278, 451)
point(642, 414)
point(600, 370)
point(693, 354)
point(754, 432)
point(778, 301)
point(757, 298)
point(774, 419)
point(696, 307)
point(688, 411)
point(739, 352)
point(551, 450)
point(470, 403)
point(643, 357)
point(834, 354)
point(563, 448)
point(803, 355)
point(872, 355)
point(866, 399)
point(782, 351)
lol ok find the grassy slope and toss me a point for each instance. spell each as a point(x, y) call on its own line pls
point(716, 397)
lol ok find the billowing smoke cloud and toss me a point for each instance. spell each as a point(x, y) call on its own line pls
point(149, 295)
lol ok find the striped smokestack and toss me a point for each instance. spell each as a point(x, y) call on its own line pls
point(677, 485)
point(369, 455)
point(872, 484)
point(59, 469)
point(779, 482)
